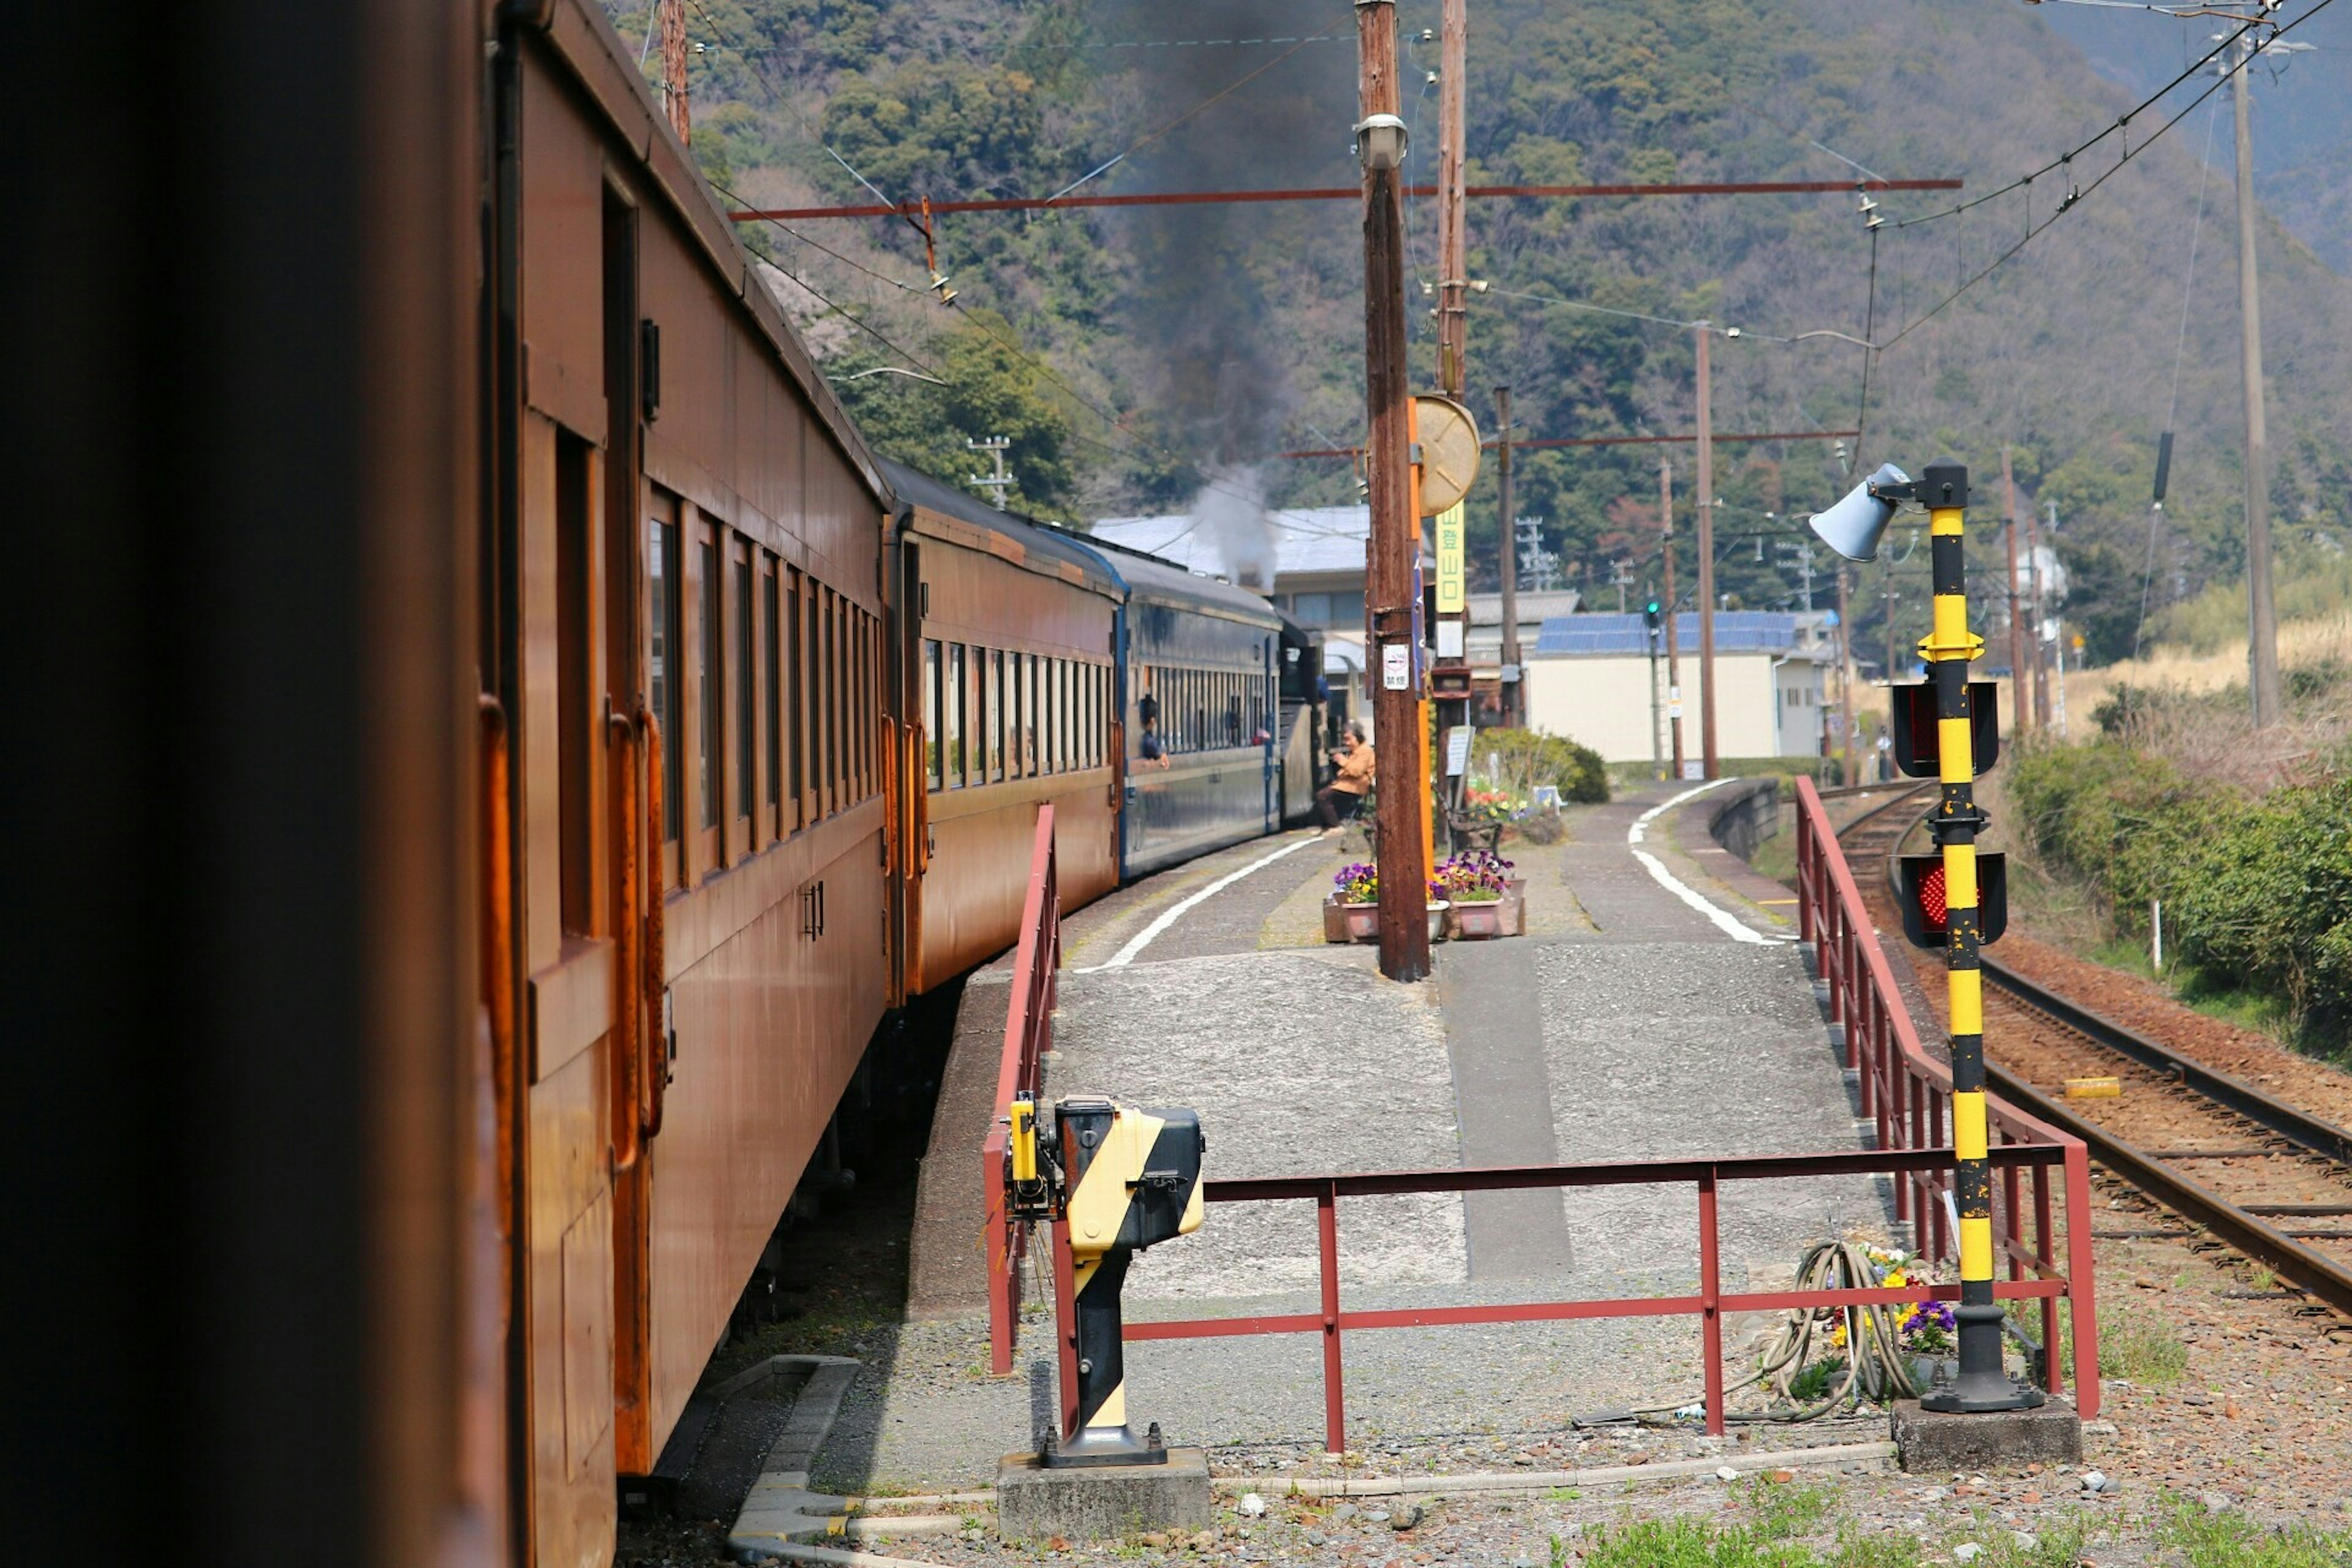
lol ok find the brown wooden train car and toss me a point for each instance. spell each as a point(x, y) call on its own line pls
point(1009, 631)
point(689, 645)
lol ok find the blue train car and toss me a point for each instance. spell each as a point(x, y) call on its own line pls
point(1198, 659)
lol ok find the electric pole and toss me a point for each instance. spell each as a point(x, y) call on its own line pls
point(1514, 678)
point(2261, 612)
point(673, 47)
point(2018, 719)
point(1849, 771)
point(2036, 588)
point(1674, 640)
point(1621, 577)
point(1709, 762)
point(1453, 245)
point(1388, 408)
point(998, 482)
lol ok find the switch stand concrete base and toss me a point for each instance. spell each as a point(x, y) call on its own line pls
point(1931, 1442)
point(1102, 1502)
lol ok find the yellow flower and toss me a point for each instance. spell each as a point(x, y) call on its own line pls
point(1837, 1335)
point(1895, 1280)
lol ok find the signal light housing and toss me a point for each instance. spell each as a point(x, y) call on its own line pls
point(1917, 748)
point(1920, 893)
point(1652, 617)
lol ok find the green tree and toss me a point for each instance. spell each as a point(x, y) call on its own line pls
point(993, 388)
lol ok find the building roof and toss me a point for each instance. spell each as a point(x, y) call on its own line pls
point(1305, 539)
point(1736, 631)
point(1487, 609)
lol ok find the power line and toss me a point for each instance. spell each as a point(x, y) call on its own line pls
point(1155, 135)
point(2075, 197)
point(907, 209)
point(2064, 160)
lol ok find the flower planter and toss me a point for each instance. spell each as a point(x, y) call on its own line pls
point(1437, 910)
point(1350, 922)
point(1477, 922)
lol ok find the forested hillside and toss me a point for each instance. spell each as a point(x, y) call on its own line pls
point(1133, 354)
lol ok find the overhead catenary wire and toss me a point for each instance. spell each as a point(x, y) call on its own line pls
point(2076, 196)
point(1162, 129)
point(2122, 124)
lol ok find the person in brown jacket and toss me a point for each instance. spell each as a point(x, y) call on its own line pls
point(1343, 796)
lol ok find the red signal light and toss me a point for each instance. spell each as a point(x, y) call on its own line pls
point(1932, 903)
point(1925, 900)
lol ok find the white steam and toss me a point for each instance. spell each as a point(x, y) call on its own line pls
point(1230, 514)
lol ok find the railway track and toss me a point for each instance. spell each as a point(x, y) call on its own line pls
point(2271, 1180)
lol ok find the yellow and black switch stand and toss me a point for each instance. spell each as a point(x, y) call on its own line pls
point(1981, 1384)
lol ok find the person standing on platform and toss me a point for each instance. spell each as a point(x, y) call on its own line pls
point(1343, 796)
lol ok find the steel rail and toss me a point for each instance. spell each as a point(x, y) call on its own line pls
point(2313, 1270)
point(2308, 1267)
point(2323, 1138)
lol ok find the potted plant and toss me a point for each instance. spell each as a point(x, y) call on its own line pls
point(1486, 900)
point(1353, 913)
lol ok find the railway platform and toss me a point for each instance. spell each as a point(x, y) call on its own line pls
point(1659, 1007)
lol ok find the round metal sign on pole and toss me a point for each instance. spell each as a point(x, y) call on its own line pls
point(1449, 451)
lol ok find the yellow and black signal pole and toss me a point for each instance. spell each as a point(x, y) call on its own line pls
point(1949, 649)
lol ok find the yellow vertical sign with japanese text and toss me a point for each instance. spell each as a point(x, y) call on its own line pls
point(1450, 552)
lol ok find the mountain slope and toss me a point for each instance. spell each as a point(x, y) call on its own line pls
point(1220, 334)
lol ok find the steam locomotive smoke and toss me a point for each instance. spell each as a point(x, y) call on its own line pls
point(1197, 309)
point(1229, 513)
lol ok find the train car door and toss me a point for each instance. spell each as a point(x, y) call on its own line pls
point(585, 757)
point(914, 681)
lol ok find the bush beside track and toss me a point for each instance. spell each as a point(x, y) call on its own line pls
point(2256, 887)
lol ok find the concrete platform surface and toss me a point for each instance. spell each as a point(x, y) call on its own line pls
point(1657, 1009)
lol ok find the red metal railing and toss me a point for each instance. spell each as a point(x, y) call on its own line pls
point(1028, 1033)
point(1906, 1094)
point(1709, 1303)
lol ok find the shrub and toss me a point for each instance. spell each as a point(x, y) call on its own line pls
point(1527, 758)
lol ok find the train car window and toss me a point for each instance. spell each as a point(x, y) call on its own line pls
point(661, 578)
point(994, 734)
point(575, 672)
point(932, 768)
point(771, 628)
point(1037, 763)
point(865, 704)
point(796, 711)
point(709, 752)
point(1013, 715)
point(829, 699)
point(746, 711)
point(952, 718)
point(1097, 713)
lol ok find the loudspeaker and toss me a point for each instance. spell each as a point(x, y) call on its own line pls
point(1853, 527)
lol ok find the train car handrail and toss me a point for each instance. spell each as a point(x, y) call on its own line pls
point(1028, 1034)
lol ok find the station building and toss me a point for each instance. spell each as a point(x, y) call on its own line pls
point(1591, 677)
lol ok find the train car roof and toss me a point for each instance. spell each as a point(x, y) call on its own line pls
point(948, 511)
point(1155, 577)
point(605, 66)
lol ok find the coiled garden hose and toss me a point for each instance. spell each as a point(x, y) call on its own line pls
point(1877, 1367)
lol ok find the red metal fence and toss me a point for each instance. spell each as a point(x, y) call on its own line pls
point(1028, 1033)
point(1904, 1091)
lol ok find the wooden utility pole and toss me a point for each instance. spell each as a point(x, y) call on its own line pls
point(1396, 704)
point(2261, 611)
point(2035, 653)
point(1673, 639)
point(1849, 768)
point(1509, 532)
point(1711, 763)
point(1453, 245)
point(673, 47)
point(2019, 721)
